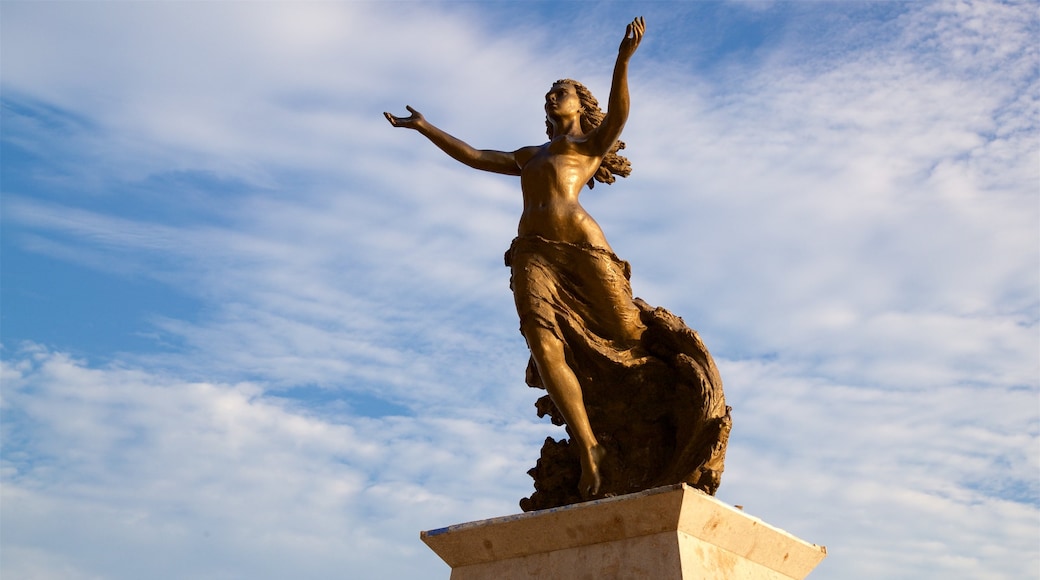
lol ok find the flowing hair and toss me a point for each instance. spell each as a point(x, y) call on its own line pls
point(612, 164)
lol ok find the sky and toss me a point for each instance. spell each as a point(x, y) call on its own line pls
point(250, 330)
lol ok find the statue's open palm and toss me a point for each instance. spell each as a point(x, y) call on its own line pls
point(633, 35)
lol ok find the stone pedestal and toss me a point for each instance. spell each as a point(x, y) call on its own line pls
point(673, 532)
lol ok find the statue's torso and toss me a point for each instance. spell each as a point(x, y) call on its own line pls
point(551, 177)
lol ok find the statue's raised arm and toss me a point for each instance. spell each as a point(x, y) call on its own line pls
point(609, 131)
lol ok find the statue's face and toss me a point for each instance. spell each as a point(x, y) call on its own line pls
point(562, 101)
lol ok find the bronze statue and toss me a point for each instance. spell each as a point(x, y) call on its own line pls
point(639, 394)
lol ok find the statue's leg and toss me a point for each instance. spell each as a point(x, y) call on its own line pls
point(565, 391)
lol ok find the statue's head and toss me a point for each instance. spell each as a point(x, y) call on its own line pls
point(591, 116)
point(561, 102)
point(570, 94)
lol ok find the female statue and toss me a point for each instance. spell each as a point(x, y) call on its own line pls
point(572, 293)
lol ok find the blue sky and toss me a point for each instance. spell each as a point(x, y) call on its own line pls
point(250, 330)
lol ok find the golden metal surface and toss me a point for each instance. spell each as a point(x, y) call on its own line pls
point(637, 390)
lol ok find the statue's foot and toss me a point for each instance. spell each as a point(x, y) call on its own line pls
point(591, 480)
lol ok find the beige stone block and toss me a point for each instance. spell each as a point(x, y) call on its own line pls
point(673, 532)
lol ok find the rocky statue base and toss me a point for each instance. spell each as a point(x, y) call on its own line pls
point(673, 532)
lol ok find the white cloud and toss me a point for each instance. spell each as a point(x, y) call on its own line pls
point(877, 206)
point(929, 483)
point(220, 480)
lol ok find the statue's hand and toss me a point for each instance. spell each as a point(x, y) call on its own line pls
point(410, 122)
point(633, 34)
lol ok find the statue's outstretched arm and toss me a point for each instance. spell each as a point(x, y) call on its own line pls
point(483, 159)
point(609, 131)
